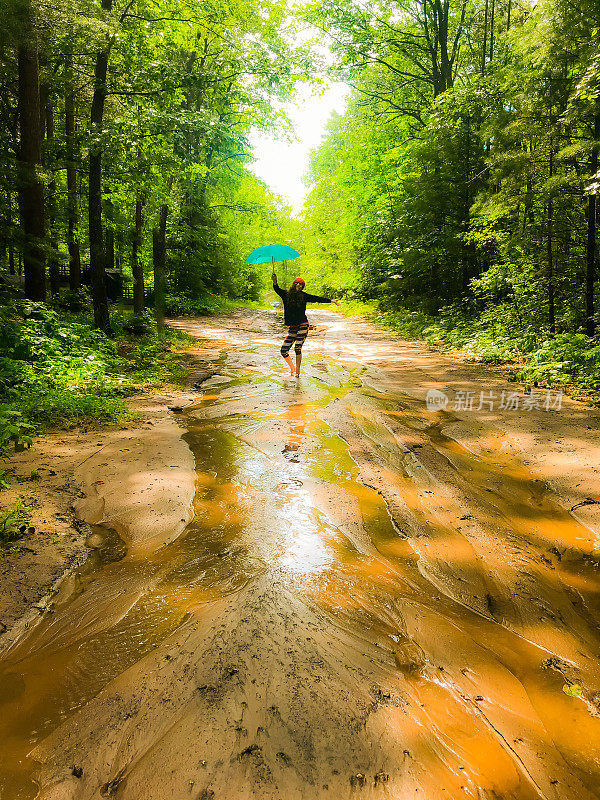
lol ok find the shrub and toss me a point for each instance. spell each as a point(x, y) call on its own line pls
point(139, 324)
point(497, 335)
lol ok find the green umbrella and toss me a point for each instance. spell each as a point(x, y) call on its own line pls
point(271, 253)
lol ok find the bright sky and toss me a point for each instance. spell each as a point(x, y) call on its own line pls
point(281, 164)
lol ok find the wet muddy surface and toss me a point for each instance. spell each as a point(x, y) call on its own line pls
point(363, 606)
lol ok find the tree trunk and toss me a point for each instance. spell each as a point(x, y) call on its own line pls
point(136, 265)
point(445, 63)
point(159, 256)
point(590, 274)
point(43, 103)
point(484, 49)
point(493, 10)
point(550, 231)
point(72, 209)
point(9, 228)
point(119, 253)
point(53, 260)
point(466, 247)
point(31, 189)
point(529, 215)
point(109, 234)
point(97, 265)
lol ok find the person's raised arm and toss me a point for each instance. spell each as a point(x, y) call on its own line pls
point(276, 287)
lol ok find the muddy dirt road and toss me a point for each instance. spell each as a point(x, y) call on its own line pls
point(373, 600)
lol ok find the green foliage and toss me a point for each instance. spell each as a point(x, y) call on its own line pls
point(410, 324)
point(461, 206)
point(14, 430)
point(181, 305)
point(481, 340)
point(184, 305)
point(139, 324)
point(58, 371)
point(565, 358)
point(351, 308)
point(154, 360)
point(74, 301)
point(14, 521)
point(62, 408)
point(44, 355)
point(185, 87)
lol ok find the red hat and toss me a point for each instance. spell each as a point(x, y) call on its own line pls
point(300, 280)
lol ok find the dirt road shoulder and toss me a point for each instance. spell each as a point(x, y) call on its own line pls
point(137, 479)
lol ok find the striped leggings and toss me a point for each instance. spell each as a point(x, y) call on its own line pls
point(296, 336)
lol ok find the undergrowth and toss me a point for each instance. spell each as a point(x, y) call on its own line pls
point(182, 305)
point(14, 521)
point(56, 370)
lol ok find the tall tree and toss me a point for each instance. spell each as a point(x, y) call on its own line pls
point(31, 187)
point(136, 265)
point(96, 234)
point(53, 254)
point(159, 252)
point(591, 273)
point(71, 165)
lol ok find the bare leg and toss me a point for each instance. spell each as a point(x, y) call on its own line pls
point(298, 361)
point(290, 364)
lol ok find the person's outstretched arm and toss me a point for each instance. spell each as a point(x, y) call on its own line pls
point(313, 298)
point(276, 287)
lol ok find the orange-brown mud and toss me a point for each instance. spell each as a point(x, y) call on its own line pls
point(137, 478)
point(373, 600)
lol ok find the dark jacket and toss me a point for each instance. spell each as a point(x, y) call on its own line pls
point(295, 314)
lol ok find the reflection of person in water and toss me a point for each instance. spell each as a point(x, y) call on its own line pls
point(296, 418)
point(294, 315)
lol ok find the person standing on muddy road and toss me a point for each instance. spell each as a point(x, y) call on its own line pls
point(294, 316)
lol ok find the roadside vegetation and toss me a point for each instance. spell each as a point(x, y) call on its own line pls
point(56, 370)
point(14, 522)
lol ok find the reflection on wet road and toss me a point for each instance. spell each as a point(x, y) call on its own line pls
point(361, 607)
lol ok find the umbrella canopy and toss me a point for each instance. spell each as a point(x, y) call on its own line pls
point(271, 253)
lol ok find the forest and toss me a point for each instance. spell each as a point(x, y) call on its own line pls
point(456, 198)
